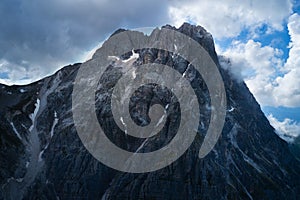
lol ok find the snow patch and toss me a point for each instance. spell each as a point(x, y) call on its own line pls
point(54, 124)
point(175, 47)
point(130, 60)
point(40, 155)
point(160, 120)
point(142, 145)
point(124, 124)
point(133, 57)
point(209, 107)
point(19, 180)
point(167, 106)
point(42, 152)
point(22, 90)
point(113, 58)
point(231, 109)
point(133, 74)
point(251, 162)
point(15, 130)
point(27, 164)
point(232, 136)
point(33, 115)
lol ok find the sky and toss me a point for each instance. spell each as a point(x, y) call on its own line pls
point(261, 39)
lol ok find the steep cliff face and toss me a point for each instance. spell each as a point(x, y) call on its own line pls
point(42, 156)
point(295, 147)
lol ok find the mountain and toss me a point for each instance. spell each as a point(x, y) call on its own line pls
point(295, 147)
point(42, 156)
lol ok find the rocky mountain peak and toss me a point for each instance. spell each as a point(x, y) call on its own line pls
point(42, 156)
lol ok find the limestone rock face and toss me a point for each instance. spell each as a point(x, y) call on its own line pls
point(42, 157)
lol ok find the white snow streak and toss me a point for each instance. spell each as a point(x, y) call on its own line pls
point(54, 124)
point(15, 130)
point(124, 124)
point(133, 57)
point(141, 146)
point(231, 109)
point(33, 115)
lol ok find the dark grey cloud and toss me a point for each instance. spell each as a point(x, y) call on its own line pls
point(39, 36)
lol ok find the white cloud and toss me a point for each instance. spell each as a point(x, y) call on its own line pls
point(260, 65)
point(256, 65)
point(229, 17)
point(18, 74)
point(286, 129)
point(288, 90)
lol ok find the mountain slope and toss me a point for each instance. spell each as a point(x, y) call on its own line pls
point(42, 156)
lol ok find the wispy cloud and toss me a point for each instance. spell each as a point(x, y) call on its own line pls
point(272, 81)
point(228, 18)
point(286, 129)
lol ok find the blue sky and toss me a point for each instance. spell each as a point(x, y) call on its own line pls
point(283, 115)
point(261, 38)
